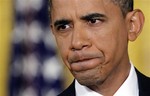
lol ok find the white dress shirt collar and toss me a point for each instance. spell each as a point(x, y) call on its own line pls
point(128, 88)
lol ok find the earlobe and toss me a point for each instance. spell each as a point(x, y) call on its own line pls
point(136, 22)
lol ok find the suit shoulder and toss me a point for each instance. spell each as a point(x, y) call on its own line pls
point(144, 83)
point(143, 79)
point(70, 91)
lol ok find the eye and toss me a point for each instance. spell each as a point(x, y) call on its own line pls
point(94, 21)
point(62, 27)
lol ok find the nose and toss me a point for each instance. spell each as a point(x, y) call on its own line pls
point(80, 39)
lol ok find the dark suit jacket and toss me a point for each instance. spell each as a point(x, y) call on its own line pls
point(143, 81)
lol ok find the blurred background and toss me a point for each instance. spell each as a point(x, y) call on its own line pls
point(29, 63)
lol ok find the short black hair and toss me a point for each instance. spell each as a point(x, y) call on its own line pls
point(125, 6)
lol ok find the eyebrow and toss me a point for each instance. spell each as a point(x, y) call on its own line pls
point(61, 22)
point(92, 15)
point(86, 17)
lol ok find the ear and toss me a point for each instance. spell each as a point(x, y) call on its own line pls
point(135, 22)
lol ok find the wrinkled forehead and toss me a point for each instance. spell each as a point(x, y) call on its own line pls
point(70, 8)
point(53, 2)
point(61, 4)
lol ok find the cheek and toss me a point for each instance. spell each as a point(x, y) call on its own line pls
point(112, 43)
point(63, 49)
point(106, 43)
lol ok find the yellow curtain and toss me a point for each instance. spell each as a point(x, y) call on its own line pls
point(140, 49)
point(5, 29)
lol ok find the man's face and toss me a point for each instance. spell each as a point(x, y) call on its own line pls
point(91, 37)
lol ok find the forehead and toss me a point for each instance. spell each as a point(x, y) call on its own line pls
point(66, 8)
point(77, 2)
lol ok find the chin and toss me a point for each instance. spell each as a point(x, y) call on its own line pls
point(90, 81)
point(86, 82)
point(89, 77)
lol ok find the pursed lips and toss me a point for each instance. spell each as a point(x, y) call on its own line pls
point(84, 62)
point(79, 60)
